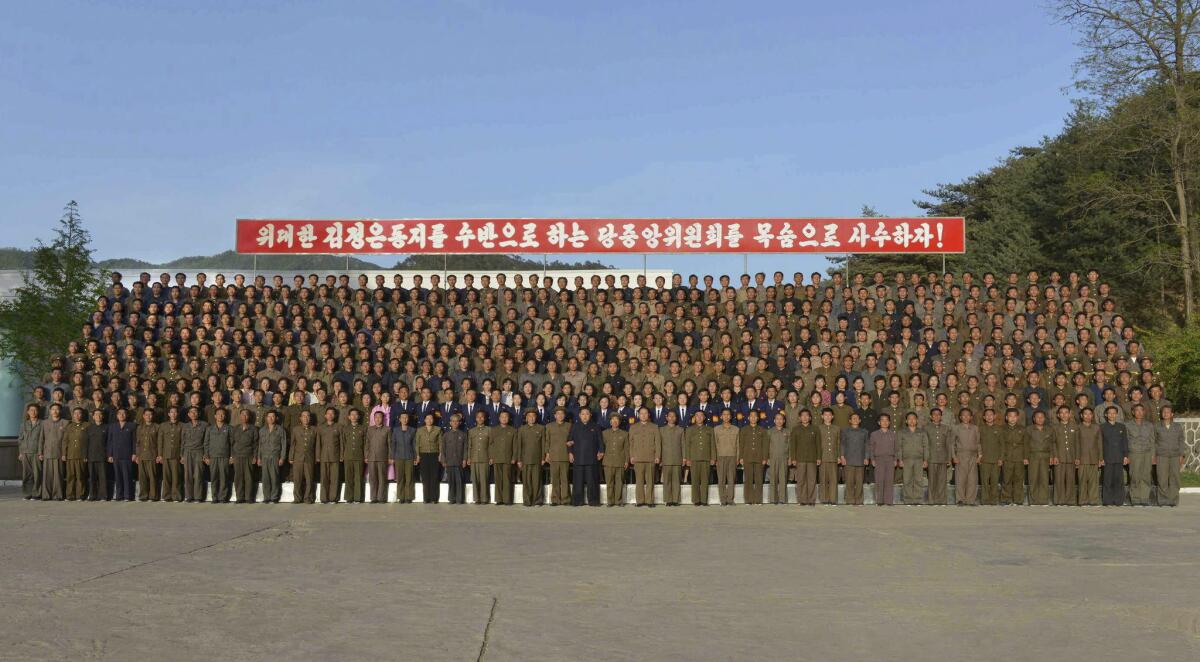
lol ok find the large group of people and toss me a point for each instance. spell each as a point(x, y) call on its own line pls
point(958, 389)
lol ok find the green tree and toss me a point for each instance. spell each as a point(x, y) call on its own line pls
point(58, 293)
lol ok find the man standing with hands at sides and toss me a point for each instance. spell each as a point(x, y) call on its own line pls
point(244, 450)
point(453, 457)
point(403, 455)
point(1140, 433)
point(502, 456)
point(531, 452)
point(218, 441)
point(853, 459)
point(1115, 441)
point(881, 454)
point(354, 441)
point(991, 458)
point(1089, 459)
point(752, 455)
point(97, 454)
point(329, 454)
point(645, 451)
point(966, 453)
point(1015, 459)
point(302, 453)
point(586, 444)
point(478, 441)
point(827, 461)
point(375, 455)
point(939, 456)
point(700, 456)
point(913, 446)
point(192, 441)
point(146, 455)
point(779, 447)
point(615, 461)
point(50, 454)
point(1039, 445)
point(120, 455)
point(1066, 454)
point(170, 439)
point(29, 445)
point(1168, 456)
point(671, 459)
point(727, 454)
point(75, 455)
point(805, 451)
point(272, 448)
point(557, 433)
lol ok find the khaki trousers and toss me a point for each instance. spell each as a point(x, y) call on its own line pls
point(1039, 481)
point(1013, 488)
point(479, 482)
point(502, 475)
point(193, 476)
point(853, 477)
point(531, 484)
point(937, 483)
point(829, 481)
point(700, 480)
point(1167, 471)
point(614, 485)
point(560, 483)
point(354, 480)
point(1140, 470)
point(989, 483)
point(966, 479)
point(643, 482)
point(1064, 485)
point(806, 483)
point(170, 480)
point(670, 483)
point(406, 489)
point(777, 475)
point(726, 478)
point(303, 487)
point(31, 475)
point(76, 479)
point(1089, 485)
point(752, 482)
point(377, 476)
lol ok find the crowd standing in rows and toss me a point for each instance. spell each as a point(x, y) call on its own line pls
point(1011, 390)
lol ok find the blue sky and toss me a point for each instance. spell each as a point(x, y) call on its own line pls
point(167, 120)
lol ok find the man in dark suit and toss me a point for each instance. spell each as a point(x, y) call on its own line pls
point(586, 445)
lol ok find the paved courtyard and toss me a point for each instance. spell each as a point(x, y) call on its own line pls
point(344, 582)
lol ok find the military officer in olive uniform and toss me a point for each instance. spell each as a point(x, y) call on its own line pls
point(1141, 456)
point(531, 452)
point(302, 454)
point(671, 460)
point(502, 456)
point(1039, 445)
point(244, 448)
point(558, 454)
point(939, 436)
point(1091, 454)
point(97, 457)
point(615, 461)
point(146, 456)
point(1066, 451)
point(354, 440)
point(1015, 459)
point(75, 452)
point(645, 452)
point(170, 439)
point(479, 439)
point(913, 446)
point(329, 455)
point(829, 436)
point(376, 457)
point(1169, 456)
point(29, 444)
point(272, 448)
point(217, 445)
point(753, 447)
point(804, 453)
point(700, 456)
point(192, 442)
point(991, 458)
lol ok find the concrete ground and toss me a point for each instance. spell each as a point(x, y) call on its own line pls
point(417, 582)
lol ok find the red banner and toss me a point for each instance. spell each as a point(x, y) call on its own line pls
point(602, 235)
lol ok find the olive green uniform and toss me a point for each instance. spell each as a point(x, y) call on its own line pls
point(75, 450)
point(991, 452)
point(1066, 451)
point(560, 462)
point(329, 454)
point(531, 451)
point(645, 449)
point(941, 439)
point(302, 453)
point(479, 439)
point(272, 449)
point(615, 461)
point(376, 453)
point(170, 448)
point(829, 438)
point(354, 440)
point(913, 446)
point(1039, 444)
point(1091, 451)
point(753, 447)
point(727, 455)
point(700, 452)
point(245, 449)
point(1016, 453)
point(502, 453)
point(804, 453)
point(671, 462)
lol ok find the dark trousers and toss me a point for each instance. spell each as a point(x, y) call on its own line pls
point(431, 486)
point(97, 478)
point(455, 485)
point(1113, 489)
point(585, 481)
point(123, 486)
point(218, 468)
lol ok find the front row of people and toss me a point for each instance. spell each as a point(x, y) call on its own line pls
point(1067, 462)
